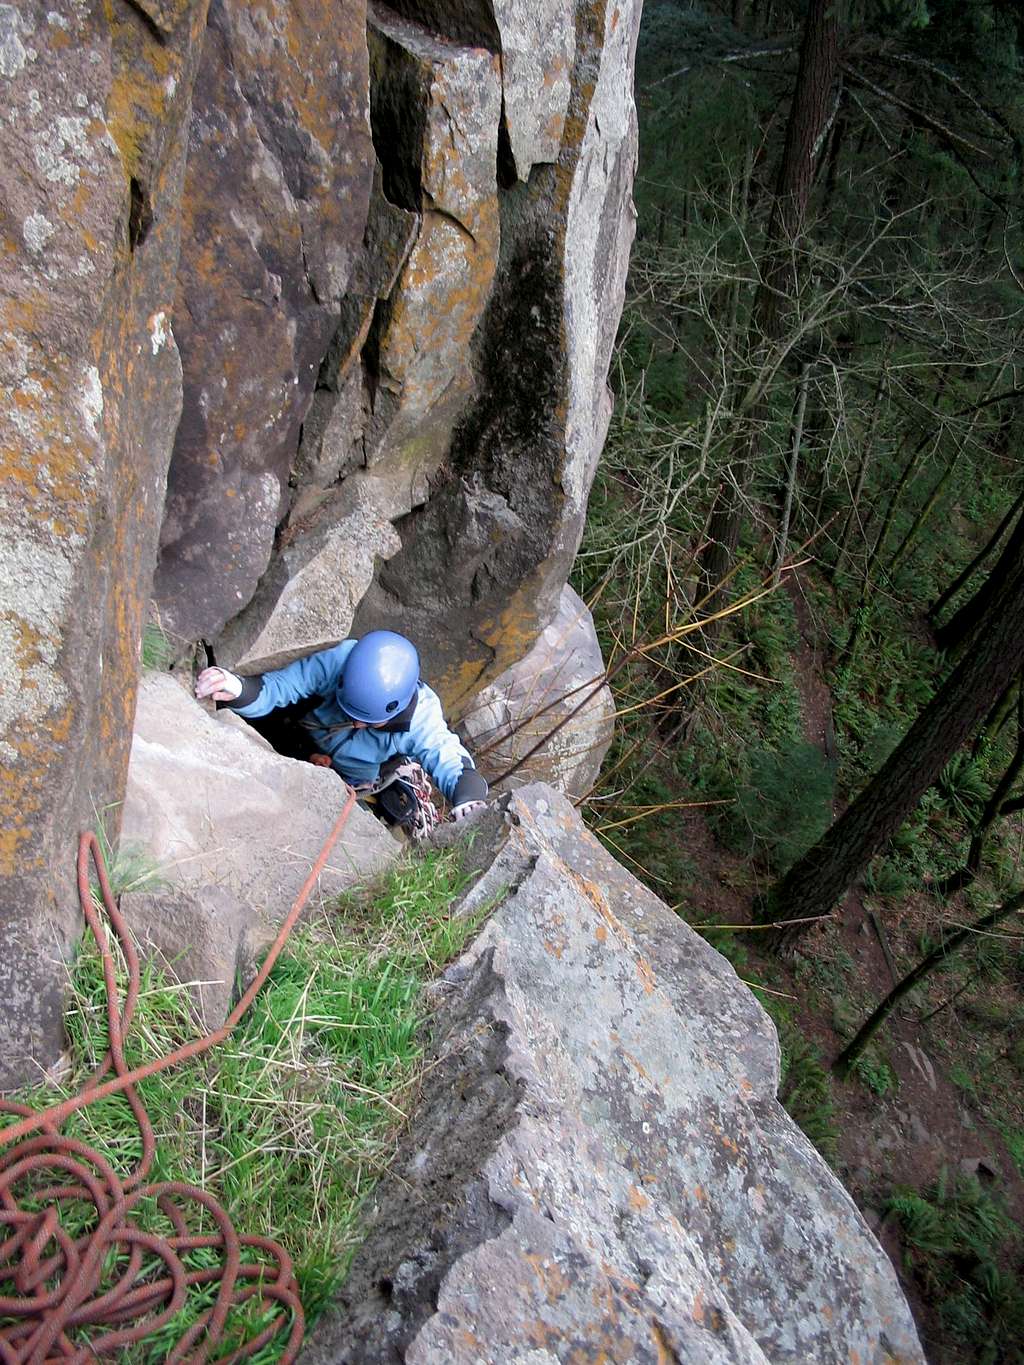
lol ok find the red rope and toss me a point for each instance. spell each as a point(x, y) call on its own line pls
point(53, 1284)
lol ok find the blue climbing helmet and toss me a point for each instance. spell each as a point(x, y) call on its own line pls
point(380, 678)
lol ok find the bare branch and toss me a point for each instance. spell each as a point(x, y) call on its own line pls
point(915, 112)
point(781, 47)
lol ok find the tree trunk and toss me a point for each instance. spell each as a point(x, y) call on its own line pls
point(963, 624)
point(944, 478)
point(814, 884)
point(956, 881)
point(844, 1063)
point(862, 613)
point(929, 506)
point(839, 130)
point(996, 719)
point(794, 459)
point(944, 599)
point(865, 461)
point(809, 114)
point(909, 470)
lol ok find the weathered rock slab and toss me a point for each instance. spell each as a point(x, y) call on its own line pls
point(555, 698)
point(214, 806)
point(205, 938)
point(275, 204)
point(599, 1168)
point(314, 586)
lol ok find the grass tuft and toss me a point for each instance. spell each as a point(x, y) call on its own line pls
point(157, 652)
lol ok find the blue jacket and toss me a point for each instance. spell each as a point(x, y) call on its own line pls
point(419, 732)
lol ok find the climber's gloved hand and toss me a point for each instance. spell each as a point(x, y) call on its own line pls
point(217, 684)
point(467, 808)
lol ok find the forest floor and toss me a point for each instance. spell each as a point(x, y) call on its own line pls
point(933, 1098)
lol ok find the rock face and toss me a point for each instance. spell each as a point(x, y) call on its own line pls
point(598, 1167)
point(551, 712)
point(403, 233)
point(96, 104)
point(275, 201)
point(484, 559)
point(409, 440)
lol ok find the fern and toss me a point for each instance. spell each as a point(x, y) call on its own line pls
point(958, 1236)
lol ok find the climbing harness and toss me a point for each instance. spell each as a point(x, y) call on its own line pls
point(55, 1287)
point(404, 796)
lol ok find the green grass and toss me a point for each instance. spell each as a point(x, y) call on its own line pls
point(290, 1122)
point(1014, 1139)
point(157, 651)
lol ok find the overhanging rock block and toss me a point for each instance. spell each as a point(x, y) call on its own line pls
point(598, 1168)
point(224, 816)
point(552, 712)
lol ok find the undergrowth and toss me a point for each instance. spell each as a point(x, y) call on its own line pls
point(964, 1251)
point(290, 1122)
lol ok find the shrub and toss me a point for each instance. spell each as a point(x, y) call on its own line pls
point(786, 805)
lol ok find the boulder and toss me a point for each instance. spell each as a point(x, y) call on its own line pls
point(555, 698)
point(96, 101)
point(598, 1167)
point(214, 806)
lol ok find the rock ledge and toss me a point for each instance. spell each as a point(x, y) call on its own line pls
point(598, 1168)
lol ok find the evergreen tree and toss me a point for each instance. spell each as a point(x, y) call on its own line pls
point(814, 884)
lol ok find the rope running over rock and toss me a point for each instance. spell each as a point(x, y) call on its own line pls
point(61, 1284)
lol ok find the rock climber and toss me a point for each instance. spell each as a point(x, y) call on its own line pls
point(361, 709)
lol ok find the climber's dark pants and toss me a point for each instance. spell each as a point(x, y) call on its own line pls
point(284, 730)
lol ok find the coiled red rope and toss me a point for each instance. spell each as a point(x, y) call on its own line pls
point(55, 1288)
